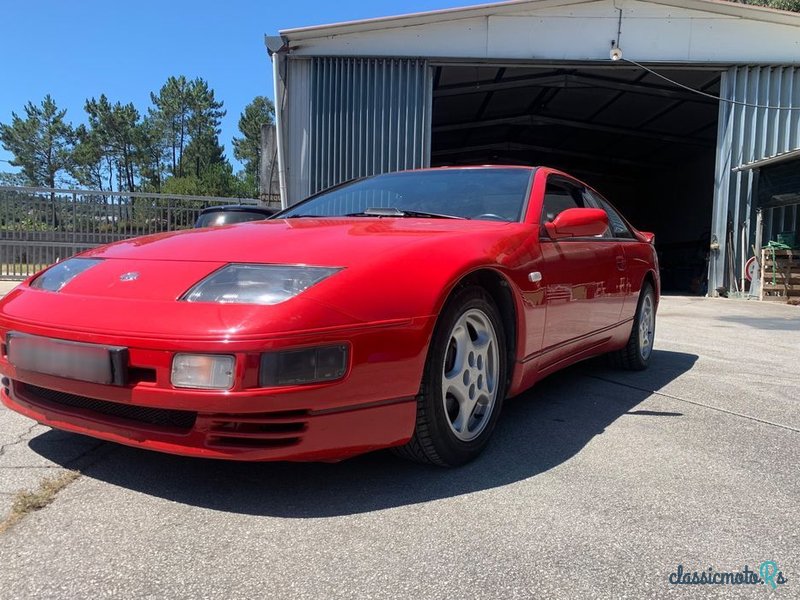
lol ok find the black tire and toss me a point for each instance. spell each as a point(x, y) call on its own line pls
point(635, 356)
point(436, 438)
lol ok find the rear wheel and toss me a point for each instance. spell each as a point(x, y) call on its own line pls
point(464, 382)
point(636, 354)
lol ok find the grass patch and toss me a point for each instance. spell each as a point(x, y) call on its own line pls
point(28, 501)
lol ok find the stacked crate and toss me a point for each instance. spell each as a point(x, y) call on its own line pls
point(780, 275)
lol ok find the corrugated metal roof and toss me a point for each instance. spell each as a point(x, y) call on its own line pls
point(745, 11)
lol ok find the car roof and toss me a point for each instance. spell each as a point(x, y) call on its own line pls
point(471, 167)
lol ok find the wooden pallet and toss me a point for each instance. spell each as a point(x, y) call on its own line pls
point(780, 275)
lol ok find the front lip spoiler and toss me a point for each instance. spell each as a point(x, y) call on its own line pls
point(331, 440)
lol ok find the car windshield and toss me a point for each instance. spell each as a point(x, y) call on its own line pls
point(210, 219)
point(481, 193)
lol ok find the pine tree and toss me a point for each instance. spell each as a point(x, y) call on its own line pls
point(170, 114)
point(204, 125)
point(115, 129)
point(41, 142)
point(247, 149)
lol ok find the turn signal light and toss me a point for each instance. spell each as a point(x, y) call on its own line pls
point(203, 371)
point(309, 365)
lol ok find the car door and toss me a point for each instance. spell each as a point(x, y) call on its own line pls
point(618, 288)
point(579, 276)
point(635, 265)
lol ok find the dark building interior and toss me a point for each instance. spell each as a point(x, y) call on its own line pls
point(646, 144)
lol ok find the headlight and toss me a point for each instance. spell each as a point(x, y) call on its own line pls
point(59, 275)
point(257, 284)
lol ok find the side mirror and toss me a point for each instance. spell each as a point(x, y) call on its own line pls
point(578, 222)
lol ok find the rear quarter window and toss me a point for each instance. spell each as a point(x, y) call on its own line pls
point(616, 224)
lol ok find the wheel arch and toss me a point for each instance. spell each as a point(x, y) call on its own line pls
point(501, 290)
point(650, 277)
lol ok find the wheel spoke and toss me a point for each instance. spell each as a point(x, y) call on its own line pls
point(646, 326)
point(469, 377)
point(464, 416)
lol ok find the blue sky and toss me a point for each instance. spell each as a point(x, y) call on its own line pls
point(78, 49)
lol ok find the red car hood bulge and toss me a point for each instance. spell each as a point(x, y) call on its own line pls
point(167, 265)
point(318, 241)
point(178, 260)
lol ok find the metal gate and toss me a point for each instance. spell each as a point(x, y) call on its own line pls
point(40, 226)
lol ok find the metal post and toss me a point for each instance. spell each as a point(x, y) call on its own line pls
point(755, 285)
point(279, 59)
point(268, 165)
point(743, 255)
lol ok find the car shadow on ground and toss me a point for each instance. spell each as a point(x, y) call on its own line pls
point(765, 323)
point(539, 430)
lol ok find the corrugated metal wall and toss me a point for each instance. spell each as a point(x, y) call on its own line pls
point(745, 134)
point(367, 116)
point(297, 127)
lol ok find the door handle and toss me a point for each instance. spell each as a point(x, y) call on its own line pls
point(621, 264)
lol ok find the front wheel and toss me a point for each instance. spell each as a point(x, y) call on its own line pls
point(464, 382)
point(635, 356)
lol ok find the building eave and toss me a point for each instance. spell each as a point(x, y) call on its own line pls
point(723, 7)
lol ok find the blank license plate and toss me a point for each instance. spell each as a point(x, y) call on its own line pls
point(73, 360)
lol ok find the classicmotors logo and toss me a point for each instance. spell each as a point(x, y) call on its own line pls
point(767, 574)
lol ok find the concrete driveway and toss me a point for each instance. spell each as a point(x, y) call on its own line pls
point(598, 484)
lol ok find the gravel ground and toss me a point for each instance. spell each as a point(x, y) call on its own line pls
point(598, 484)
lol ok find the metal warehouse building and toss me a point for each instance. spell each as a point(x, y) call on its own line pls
point(533, 82)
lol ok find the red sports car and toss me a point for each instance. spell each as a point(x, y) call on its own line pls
point(398, 310)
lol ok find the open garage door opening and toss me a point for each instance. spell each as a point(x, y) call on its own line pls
point(647, 145)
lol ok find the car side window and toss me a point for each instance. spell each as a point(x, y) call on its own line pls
point(616, 224)
point(558, 197)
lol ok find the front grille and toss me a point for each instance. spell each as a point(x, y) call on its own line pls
point(177, 420)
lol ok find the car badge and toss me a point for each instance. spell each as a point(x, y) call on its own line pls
point(129, 276)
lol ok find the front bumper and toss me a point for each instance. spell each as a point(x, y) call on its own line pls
point(372, 407)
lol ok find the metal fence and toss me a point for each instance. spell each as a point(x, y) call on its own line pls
point(40, 226)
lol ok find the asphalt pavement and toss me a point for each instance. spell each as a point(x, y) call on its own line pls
point(598, 484)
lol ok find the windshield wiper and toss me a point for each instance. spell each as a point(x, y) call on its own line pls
point(300, 216)
point(396, 212)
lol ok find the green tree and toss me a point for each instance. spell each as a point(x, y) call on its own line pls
point(13, 178)
point(205, 118)
point(247, 148)
point(170, 114)
point(41, 142)
point(115, 127)
point(216, 180)
point(151, 157)
point(89, 166)
point(203, 152)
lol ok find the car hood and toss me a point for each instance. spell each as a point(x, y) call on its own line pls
point(167, 265)
point(135, 289)
point(319, 241)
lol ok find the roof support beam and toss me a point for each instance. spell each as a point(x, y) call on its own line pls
point(534, 120)
point(613, 100)
point(487, 100)
point(567, 79)
point(676, 103)
point(515, 147)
